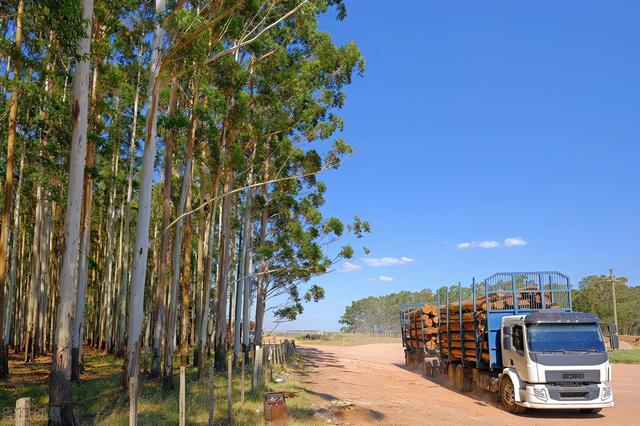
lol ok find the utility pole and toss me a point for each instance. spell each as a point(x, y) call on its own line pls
point(613, 291)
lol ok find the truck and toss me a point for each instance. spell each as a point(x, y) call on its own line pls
point(515, 334)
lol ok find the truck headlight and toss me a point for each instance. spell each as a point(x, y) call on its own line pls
point(540, 393)
point(606, 392)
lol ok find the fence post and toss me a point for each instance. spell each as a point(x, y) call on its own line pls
point(133, 401)
point(257, 368)
point(23, 411)
point(242, 379)
point(229, 386)
point(212, 401)
point(183, 391)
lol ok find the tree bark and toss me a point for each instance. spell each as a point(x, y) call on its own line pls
point(125, 245)
point(8, 193)
point(161, 289)
point(14, 268)
point(220, 345)
point(60, 397)
point(83, 264)
point(176, 258)
point(136, 296)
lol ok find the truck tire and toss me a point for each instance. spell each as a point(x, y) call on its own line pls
point(451, 374)
point(590, 410)
point(462, 380)
point(406, 359)
point(507, 396)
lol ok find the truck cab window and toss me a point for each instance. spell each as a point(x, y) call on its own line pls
point(517, 339)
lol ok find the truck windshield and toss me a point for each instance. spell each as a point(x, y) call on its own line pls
point(564, 337)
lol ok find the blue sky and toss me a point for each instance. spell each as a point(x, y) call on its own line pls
point(486, 121)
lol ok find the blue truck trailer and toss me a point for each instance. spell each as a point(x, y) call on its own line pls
point(516, 334)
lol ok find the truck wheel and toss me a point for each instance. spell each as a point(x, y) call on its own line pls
point(590, 410)
point(451, 374)
point(463, 382)
point(507, 395)
point(406, 359)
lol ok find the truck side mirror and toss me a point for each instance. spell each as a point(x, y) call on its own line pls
point(615, 342)
point(506, 343)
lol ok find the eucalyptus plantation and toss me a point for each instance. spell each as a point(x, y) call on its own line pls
point(168, 159)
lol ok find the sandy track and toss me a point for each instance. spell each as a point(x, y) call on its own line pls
point(375, 379)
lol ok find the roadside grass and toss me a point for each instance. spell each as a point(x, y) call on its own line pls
point(337, 338)
point(625, 356)
point(99, 399)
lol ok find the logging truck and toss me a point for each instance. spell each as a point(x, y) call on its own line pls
point(514, 334)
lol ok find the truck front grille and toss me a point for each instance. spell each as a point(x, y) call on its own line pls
point(572, 376)
point(574, 393)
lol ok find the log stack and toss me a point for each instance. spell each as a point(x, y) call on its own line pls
point(460, 335)
point(422, 330)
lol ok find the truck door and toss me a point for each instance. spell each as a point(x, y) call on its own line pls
point(514, 357)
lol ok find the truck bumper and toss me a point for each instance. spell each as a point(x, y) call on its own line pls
point(539, 396)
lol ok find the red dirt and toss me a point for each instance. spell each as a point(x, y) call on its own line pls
point(384, 391)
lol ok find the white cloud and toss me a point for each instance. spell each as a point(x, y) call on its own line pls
point(514, 242)
point(387, 261)
point(490, 244)
point(382, 279)
point(349, 267)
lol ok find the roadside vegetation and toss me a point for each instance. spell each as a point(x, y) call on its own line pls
point(593, 294)
point(625, 356)
point(343, 339)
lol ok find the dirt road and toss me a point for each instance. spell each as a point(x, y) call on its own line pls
point(384, 391)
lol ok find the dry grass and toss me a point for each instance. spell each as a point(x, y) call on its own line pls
point(337, 338)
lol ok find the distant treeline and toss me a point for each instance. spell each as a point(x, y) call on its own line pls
point(381, 315)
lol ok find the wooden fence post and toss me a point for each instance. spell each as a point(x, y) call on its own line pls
point(133, 401)
point(257, 368)
point(229, 386)
point(212, 401)
point(183, 396)
point(23, 411)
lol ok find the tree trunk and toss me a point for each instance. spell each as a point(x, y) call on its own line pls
point(220, 345)
point(60, 397)
point(83, 264)
point(263, 277)
point(136, 296)
point(125, 245)
point(8, 194)
point(176, 258)
point(8, 336)
point(159, 310)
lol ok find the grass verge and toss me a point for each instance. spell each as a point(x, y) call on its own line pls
point(339, 339)
point(625, 356)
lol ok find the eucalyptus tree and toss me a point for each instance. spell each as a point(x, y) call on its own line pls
point(8, 193)
point(60, 397)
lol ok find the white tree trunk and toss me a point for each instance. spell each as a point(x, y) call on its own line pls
point(136, 296)
point(60, 397)
point(14, 259)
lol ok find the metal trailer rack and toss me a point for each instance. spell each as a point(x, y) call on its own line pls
point(528, 291)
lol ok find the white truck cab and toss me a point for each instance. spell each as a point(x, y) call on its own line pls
point(554, 360)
